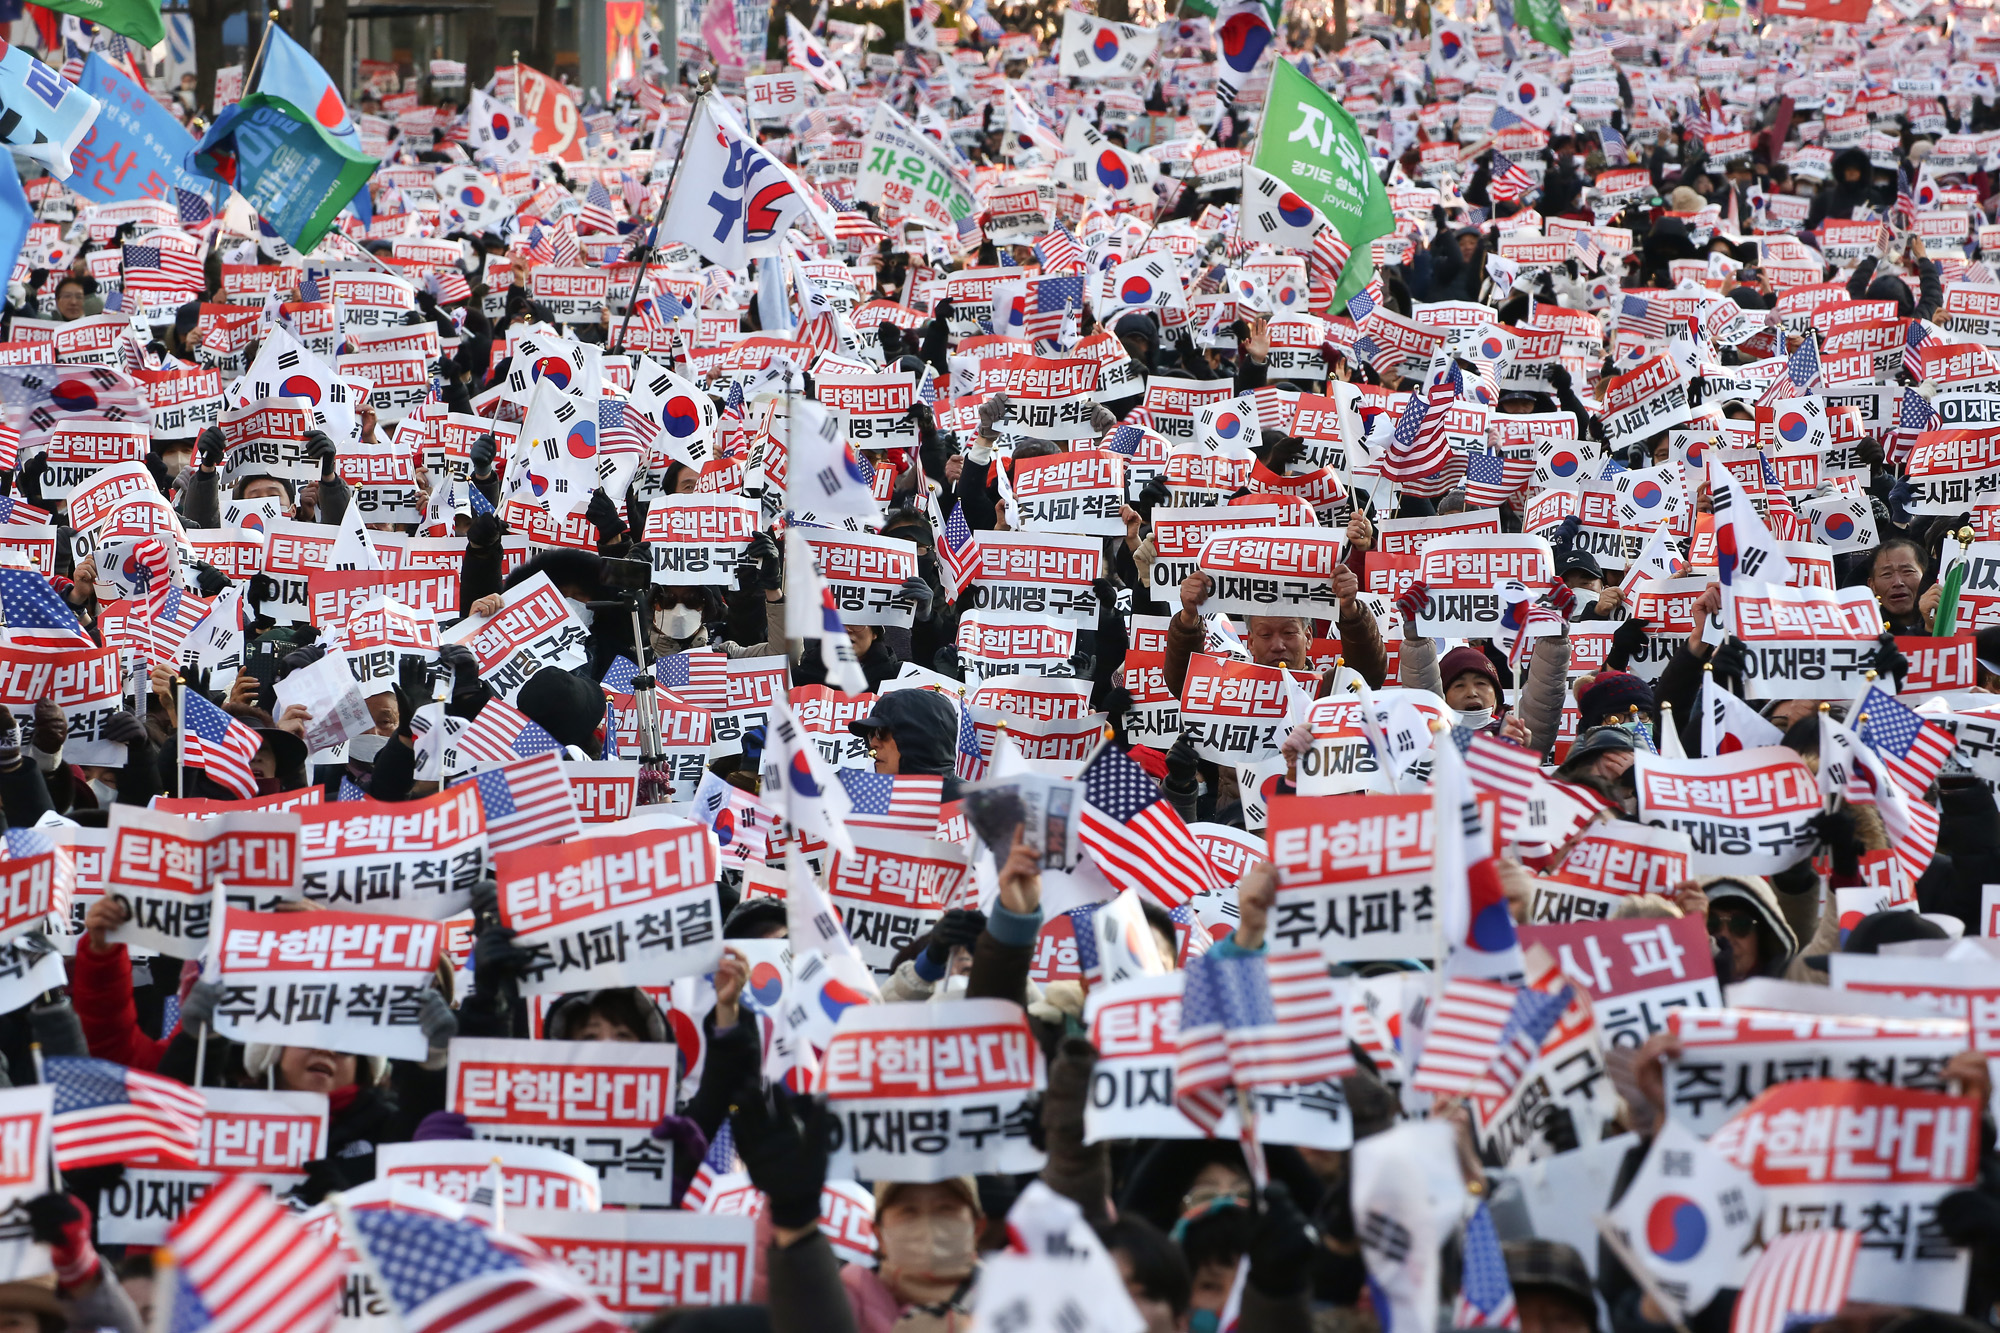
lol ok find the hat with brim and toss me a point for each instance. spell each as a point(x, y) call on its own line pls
point(289, 749)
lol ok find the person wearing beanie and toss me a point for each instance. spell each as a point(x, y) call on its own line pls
point(1610, 698)
point(1471, 684)
point(567, 706)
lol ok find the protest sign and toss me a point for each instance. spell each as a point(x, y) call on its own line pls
point(1354, 876)
point(1179, 536)
point(267, 1135)
point(1805, 642)
point(459, 1169)
point(636, 1263)
point(1636, 972)
point(614, 911)
point(1273, 572)
point(418, 858)
point(595, 1100)
point(866, 574)
point(78, 449)
point(1037, 574)
point(1468, 577)
point(892, 888)
point(1729, 1056)
point(1743, 813)
point(1135, 1026)
point(340, 981)
point(1080, 492)
point(925, 1092)
point(1234, 711)
point(999, 643)
point(85, 685)
point(534, 628)
point(1608, 862)
point(165, 869)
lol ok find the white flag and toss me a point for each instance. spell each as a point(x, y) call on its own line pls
point(1728, 724)
point(825, 477)
point(811, 613)
point(798, 784)
point(1688, 1216)
point(1095, 48)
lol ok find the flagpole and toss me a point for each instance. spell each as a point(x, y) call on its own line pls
point(263, 46)
point(646, 243)
point(180, 735)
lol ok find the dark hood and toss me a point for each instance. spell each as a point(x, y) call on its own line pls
point(925, 725)
point(1853, 157)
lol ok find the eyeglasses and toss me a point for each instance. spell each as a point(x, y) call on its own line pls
point(1736, 923)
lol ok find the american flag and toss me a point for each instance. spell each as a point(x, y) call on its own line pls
point(193, 206)
point(1132, 832)
point(1507, 770)
point(1503, 119)
point(1055, 296)
point(619, 675)
point(1802, 367)
point(556, 244)
point(350, 790)
point(1491, 478)
point(1418, 446)
point(1329, 253)
point(218, 744)
point(623, 427)
point(1906, 199)
point(1914, 749)
point(1466, 1027)
point(105, 1112)
point(597, 214)
point(700, 676)
point(1614, 145)
point(1510, 179)
point(1251, 1021)
point(447, 1276)
point(1485, 1296)
point(969, 759)
point(1801, 1278)
point(1364, 301)
point(503, 733)
point(1913, 418)
point(905, 804)
point(1059, 251)
point(146, 271)
point(244, 1264)
point(527, 804)
point(1913, 357)
point(1637, 316)
point(722, 1159)
point(37, 617)
point(450, 287)
point(1535, 1012)
point(960, 549)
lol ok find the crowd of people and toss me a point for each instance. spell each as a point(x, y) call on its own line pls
point(1071, 557)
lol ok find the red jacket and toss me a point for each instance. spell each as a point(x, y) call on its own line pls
point(100, 987)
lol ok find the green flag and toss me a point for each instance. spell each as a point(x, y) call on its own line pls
point(1545, 23)
point(1310, 142)
point(1204, 8)
point(285, 163)
point(137, 19)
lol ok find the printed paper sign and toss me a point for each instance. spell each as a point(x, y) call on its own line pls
point(165, 869)
point(595, 1100)
point(697, 539)
point(1354, 876)
point(85, 685)
point(893, 888)
point(925, 1092)
point(416, 858)
point(1637, 972)
point(340, 981)
point(457, 1169)
point(1235, 711)
point(267, 1135)
point(1037, 574)
point(534, 628)
point(1743, 813)
point(614, 911)
point(639, 1262)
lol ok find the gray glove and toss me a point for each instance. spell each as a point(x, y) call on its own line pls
point(57, 1028)
point(437, 1020)
point(991, 413)
point(198, 1009)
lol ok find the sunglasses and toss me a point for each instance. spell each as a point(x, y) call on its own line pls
point(1736, 923)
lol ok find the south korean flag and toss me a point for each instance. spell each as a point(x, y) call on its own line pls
point(1274, 214)
point(553, 464)
point(1844, 522)
point(1146, 283)
point(1094, 48)
point(568, 367)
point(284, 368)
point(495, 131)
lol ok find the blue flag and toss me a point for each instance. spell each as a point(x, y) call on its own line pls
point(290, 72)
point(41, 116)
point(15, 218)
point(285, 163)
point(135, 150)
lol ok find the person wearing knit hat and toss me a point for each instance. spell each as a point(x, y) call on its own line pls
point(1469, 679)
point(1608, 699)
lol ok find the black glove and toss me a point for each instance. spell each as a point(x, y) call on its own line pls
point(319, 447)
point(49, 1214)
point(1565, 533)
point(1889, 660)
point(603, 516)
point(958, 928)
point(1835, 830)
point(301, 658)
point(783, 1142)
point(464, 667)
point(1182, 765)
point(486, 530)
point(31, 477)
point(1731, 658)
point(323, 1177)
point(1282, 1244)
point(918, 593)
point(1283, 453)
point(263, 588)
point(1558, 379)
point(891, 338)
point(484, 451)
point(208, 580)
point(497, 960)
point(1153, 494)
point(1627, 639)
point(763, 563)
point(210, 446)
point(122, 728)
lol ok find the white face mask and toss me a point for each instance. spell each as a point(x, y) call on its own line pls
point(678, 622)
point(582, 612)
point(1476, 718)
point(106, 794)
